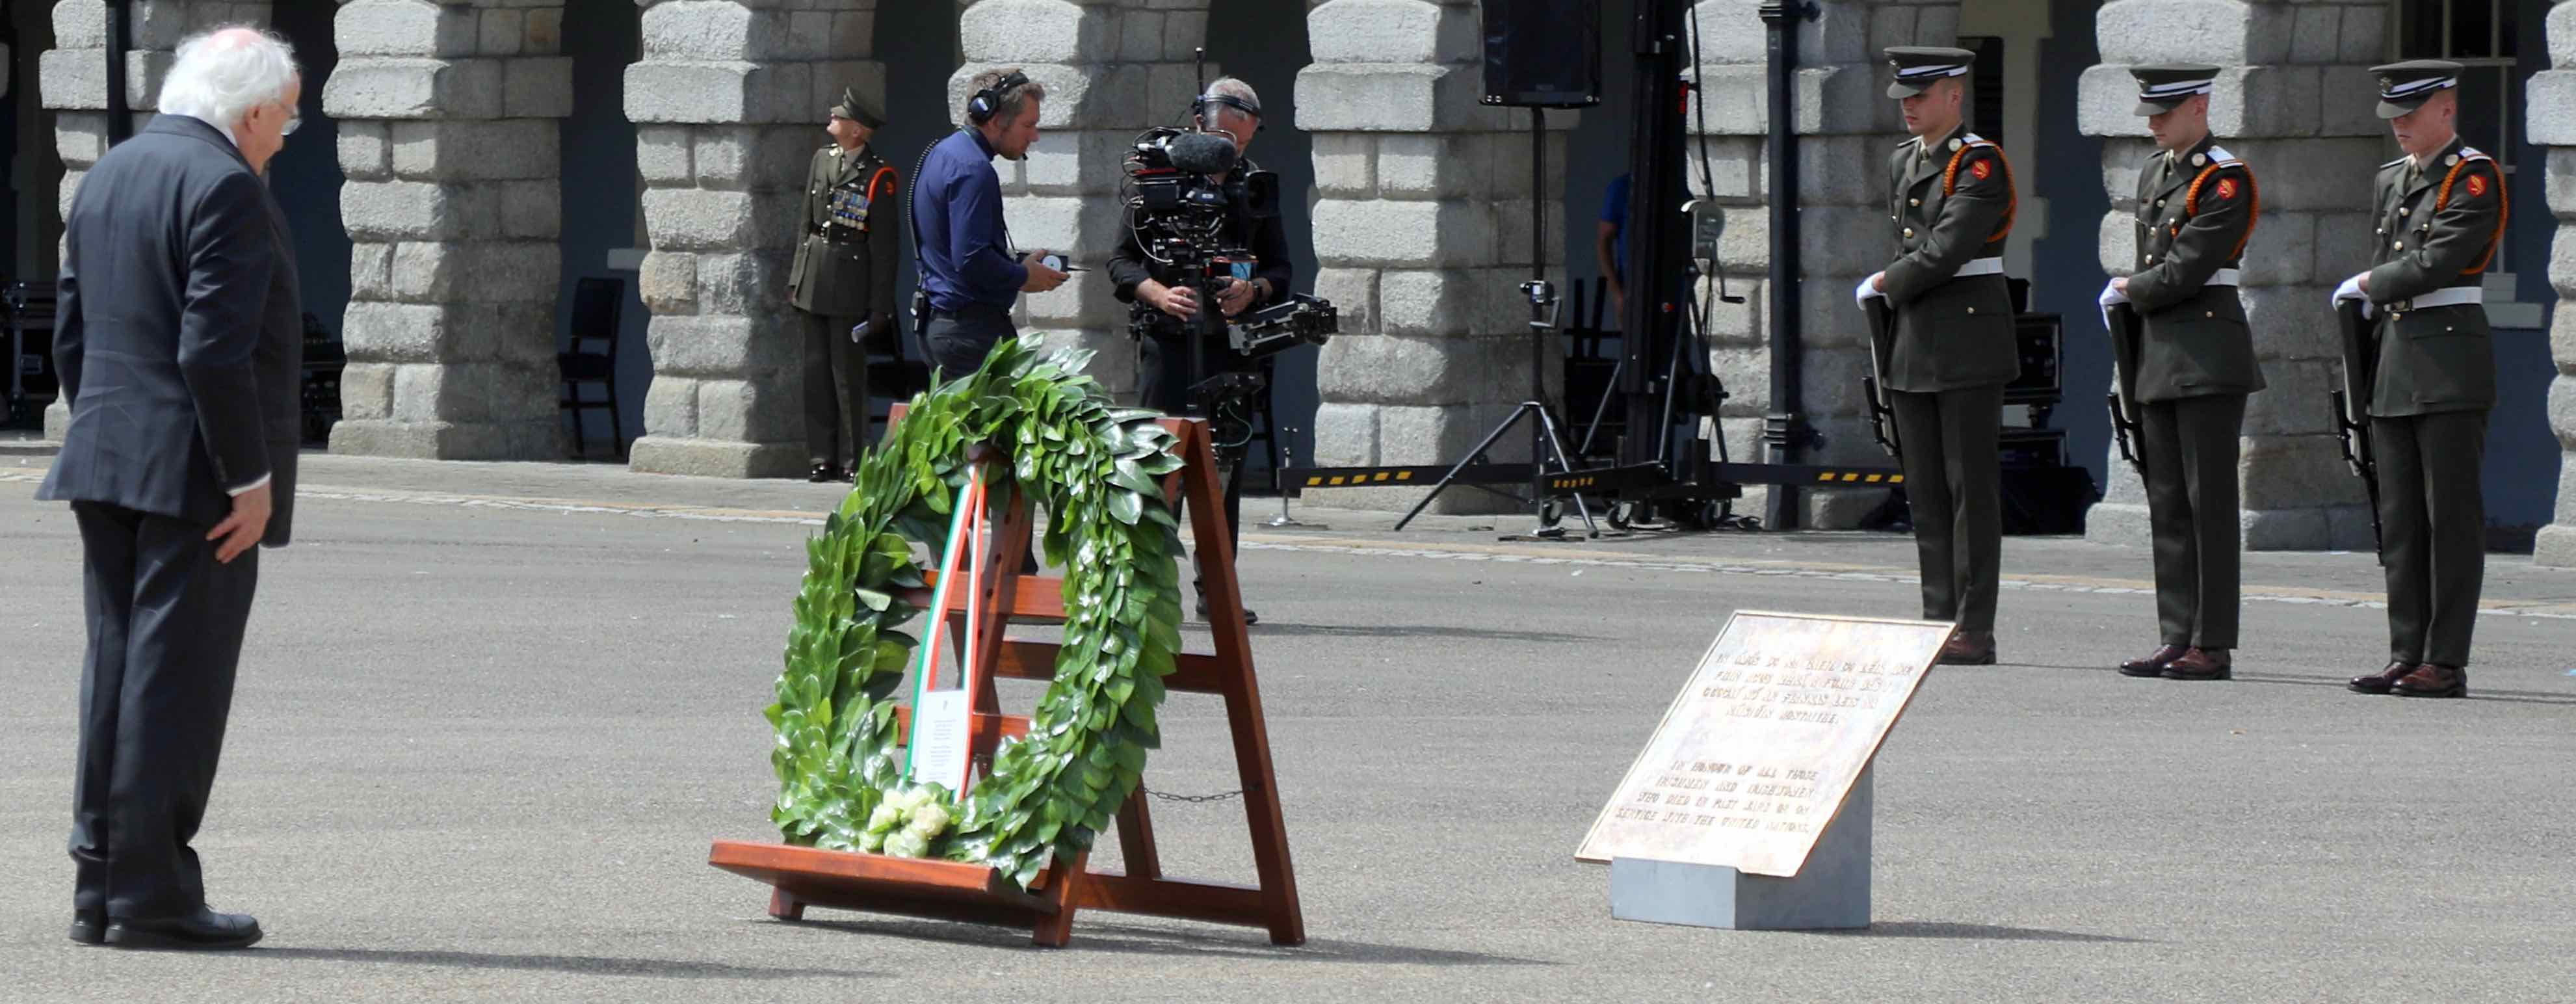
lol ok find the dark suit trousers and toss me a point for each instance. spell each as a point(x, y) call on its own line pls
point(1954, 482)
point(836, 391)
point(2190, 448)
point(165, 634)
point(2432, 515)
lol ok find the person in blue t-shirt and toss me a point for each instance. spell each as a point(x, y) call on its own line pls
point(1610, 248)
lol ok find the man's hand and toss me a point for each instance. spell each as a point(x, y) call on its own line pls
point(1878, 281)
point(1238, 294)
point(2364, 280)
point(1181, 302)
point(2121, 284)
point(1041, 278)
point(241, 531)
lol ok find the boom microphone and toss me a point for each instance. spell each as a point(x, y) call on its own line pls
point(1203, 153)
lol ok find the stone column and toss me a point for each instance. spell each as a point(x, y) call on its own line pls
point(2552, 93)
point(448, 138)
point(729, 101)
point(72, 79)
point(2295, 103)
point(1846, 126)
point(1111, 71)
point(1422, 237)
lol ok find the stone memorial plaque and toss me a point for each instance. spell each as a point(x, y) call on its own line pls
point(1758, 751)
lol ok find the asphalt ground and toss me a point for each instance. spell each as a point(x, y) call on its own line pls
point(490, 717)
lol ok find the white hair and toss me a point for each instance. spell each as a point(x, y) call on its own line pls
point(1233, 88)
point(223, 73)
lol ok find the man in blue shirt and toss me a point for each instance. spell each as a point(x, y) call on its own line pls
point(967, 269)
point(1610, 245)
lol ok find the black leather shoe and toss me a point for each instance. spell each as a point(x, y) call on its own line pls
point(2201, 664)
point(2380, 682)
point(1249, 618)
point(202, 930)
point(2430, 680)
point(2154, 664)
point(822, 473)
point(1969, 648)
point(89, 927)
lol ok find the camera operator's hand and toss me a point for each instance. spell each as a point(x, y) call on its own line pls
point(1182, 302)
point(1041, 278)
point(1238, 295)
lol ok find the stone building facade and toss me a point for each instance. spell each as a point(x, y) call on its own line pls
point(1421, 206)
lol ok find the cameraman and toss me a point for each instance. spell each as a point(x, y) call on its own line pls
point(1165, 370)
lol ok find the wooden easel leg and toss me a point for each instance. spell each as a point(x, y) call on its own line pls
point(1136, 838)
point(1242, 692)
point(784, 905)
point(1056, 930)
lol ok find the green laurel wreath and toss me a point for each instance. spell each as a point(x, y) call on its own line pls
point(1093, 466)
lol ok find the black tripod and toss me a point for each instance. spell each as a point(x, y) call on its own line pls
point(1545, 443)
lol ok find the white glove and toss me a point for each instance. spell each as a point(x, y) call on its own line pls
point(2351, 290)
point(2111, 296)
point(1867, 289)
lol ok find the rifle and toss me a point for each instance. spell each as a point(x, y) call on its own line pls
point(2122, 321)
point(2352, 403)
point(1882, 342)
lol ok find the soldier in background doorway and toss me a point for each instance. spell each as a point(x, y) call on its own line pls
point(842, 284)
point(1951, 204)
point(2194, 370)
point(2440, 217)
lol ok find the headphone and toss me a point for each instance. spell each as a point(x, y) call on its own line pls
point(986, 102)
point(1203, 104)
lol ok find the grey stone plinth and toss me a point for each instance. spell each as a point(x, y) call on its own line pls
point(1830, 892)
point(713, 458)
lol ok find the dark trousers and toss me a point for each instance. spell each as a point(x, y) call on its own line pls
point(1953, 481)
point(956, 343)
point(165, 635)
point(836, 391)
point(1164, 376)
point(2190, 448)
point(2433, 521)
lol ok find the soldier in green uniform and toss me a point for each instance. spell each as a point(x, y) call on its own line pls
point(2194, 368)
point(2440, 217)
point(842, 284)
point(1950, 204)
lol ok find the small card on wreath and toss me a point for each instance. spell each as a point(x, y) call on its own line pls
point(1756, 754)
point(939, 738)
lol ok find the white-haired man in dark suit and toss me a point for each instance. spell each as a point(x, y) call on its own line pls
point(180, 349)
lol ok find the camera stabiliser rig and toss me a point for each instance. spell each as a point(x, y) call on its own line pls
point(1181, 215)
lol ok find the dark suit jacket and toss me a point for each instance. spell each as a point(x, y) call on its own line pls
point(1952, 331)
point(178, 332)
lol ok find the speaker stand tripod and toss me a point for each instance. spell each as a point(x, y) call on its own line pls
point(1545, 443)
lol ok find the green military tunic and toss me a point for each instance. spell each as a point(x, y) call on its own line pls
point(846, 268)
point(2196, 211)
point(1950, 204)
point(843, 274)
point(2437, 229)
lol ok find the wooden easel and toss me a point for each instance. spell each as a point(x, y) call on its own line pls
point(806, 876)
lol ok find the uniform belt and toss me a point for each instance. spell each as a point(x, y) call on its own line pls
point(2223, 277)
point(1981, 266)
point(2453, 297)
point(827, 230)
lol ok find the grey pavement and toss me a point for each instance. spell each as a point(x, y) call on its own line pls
point(491, 715)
